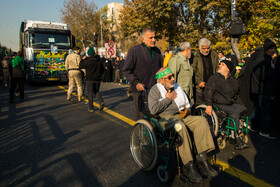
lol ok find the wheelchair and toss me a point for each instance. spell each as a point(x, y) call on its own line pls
point(222, 126)
point(150, 145)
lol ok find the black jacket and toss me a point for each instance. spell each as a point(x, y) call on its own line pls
point(264, 77)
point(222, 91)
point(94, 68)
point(139, 67)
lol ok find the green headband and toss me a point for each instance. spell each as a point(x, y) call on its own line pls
point(163, 73)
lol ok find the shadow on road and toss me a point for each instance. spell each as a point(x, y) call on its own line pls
point(27, 153)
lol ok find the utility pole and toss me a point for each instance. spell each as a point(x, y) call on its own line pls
point(101, 29)
point(233, 9)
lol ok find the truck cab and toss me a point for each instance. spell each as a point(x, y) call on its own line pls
point(45, 46)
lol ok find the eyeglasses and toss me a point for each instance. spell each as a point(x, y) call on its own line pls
point(169, 77)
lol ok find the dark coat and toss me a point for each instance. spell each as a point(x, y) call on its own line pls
point(198, 67)
point(94, 68)
point(244, 79)
point(222, 91)
point(139, 67)
point(264, 77)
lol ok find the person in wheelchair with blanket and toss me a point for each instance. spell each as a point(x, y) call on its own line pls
point(168, 100)
point(223, 90)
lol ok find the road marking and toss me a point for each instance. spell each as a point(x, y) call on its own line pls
point(111, 112)
point(243, 176)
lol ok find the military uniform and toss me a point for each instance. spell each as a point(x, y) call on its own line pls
point(74, 74)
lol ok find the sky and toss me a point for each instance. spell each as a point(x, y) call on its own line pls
point(13, 12)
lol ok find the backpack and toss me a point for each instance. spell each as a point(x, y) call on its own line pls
point(18, 72)
point(237, 27)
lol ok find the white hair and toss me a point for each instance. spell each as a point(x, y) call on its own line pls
point(204, 41)
point(184, 45)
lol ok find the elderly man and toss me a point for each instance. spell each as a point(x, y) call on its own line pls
point(205, 63)
point(141, 64)
point(182, 70)
point(168, 100)
point(223, 90)
point(74, 73)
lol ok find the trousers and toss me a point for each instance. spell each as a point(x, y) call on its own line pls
point(75, 78)
point(233, 112)
point(234, 42)
point(198, 125)
point(93, 88)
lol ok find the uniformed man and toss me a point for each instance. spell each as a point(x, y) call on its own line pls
point(74, 73)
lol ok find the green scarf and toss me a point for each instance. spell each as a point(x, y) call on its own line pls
point(151, 51)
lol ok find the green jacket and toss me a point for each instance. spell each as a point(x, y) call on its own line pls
point(18, 61)
point(198, 69)
point(183, 73)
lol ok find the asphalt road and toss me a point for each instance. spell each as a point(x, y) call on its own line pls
point(47, 141)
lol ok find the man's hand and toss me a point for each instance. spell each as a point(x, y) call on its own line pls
point(84, 57)
point(184, 112)
point(140, 87)
point(201, 85)
point(171, 95)
point(209, 110)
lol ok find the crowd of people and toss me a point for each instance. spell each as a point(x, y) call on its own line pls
point(204, 77)
point(175, 84)
point(13, 74)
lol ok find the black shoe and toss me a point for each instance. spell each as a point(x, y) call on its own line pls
point(190, 171)
point(268, 135)
point(252, 128)
point(232, 140)
point(204, 166)
point(70, 100)
point(102, 106)
point(90, 110)
point(240, 144)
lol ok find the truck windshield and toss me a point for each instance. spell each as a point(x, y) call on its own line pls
point(44, 40)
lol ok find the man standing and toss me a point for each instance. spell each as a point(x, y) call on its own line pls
point(168, 100)
point(94, 71)
point(141, 64)
point(205, 63)
point(264, 86)
point(182, 70)
point(5, 66)
point(74, 73)
point(236, 29)
point(17, 74)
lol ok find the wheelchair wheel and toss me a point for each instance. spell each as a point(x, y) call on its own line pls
point(162, 173)
point(221, 142)
point(143, 145)
point(212, 120)
point(243, 137)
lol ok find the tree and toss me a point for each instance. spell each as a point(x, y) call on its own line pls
point(82, 18)
point(190, 20)
point(157, 14)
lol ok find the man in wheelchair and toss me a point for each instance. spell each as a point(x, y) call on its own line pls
point(223, 90)
point(168, 100)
